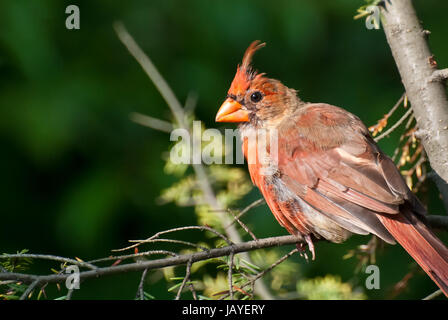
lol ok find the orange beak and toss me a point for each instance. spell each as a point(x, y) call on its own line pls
point(231, 111)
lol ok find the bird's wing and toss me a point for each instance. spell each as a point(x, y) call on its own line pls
point(327, 158)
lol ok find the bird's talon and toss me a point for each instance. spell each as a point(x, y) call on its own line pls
point(310, 247)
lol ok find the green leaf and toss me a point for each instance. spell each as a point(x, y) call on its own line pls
point(251, 265)
point(148, 296)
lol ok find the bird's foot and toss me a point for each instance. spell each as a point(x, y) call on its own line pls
point(310, 246)
point(302, 250)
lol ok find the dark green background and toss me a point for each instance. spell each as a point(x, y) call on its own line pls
point(79, 178)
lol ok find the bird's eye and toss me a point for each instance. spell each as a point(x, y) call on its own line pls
point(256, 96)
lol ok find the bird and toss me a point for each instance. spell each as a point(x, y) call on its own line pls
point(322, 174)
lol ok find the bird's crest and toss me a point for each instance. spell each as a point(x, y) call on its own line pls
point(245, 73)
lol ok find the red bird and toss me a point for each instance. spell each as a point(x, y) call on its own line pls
point(329, 179)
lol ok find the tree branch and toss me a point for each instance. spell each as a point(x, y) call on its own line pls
point(155, 264)
point(439, 75)
point(49, 257)
point(151, 122)
point(434, 295)
point(186, 279)
point(417, 66)
point(140, 292)
point(396, 124)
point(30, 288)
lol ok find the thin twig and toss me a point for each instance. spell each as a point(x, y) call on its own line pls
point(230, 275)
point(135, 255)
point(48, 257)
point(186, 278)
point(397, 104)
point(152, 72)
point(187, 243)
point(408, 124)
point(151, 122)
point(140, 292)
point(243, 225)
point(191, 102)
point(380, 124)
point(396, 124)
point(433, 295)
point(154, 238)
point(30, 289)
point(400, 146)
point(272, 266)
point(193, 291)
point(201, 228)
point(245, 210)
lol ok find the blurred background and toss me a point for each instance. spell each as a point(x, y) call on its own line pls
point(79, 178)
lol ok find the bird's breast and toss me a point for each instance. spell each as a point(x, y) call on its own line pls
point(260, 150)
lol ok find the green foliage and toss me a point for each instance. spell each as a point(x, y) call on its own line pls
point(234, 183)
point(328, 288)
point(148, 296)
point(13, 290)
point(215, 286)
point(177, 285)
point(183, 193)
point(282, 277)
point(230, 185)
point(16, 264)
point(362, 11)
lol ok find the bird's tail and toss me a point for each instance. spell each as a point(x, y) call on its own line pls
point(426, 249)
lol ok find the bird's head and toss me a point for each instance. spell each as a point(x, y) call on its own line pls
point(254, 98)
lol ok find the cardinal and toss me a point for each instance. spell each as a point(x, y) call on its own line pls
point(328, 178)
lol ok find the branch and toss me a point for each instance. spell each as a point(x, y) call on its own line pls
point(439, 75)
point(245, 210)
point(155, 238)
point(140, 292)
point(434, 295)
point(396, 124)
point(49, 257)
point(155, 264)
point(30, 288)
point(151, 122)
point(186, 278)
point(416, 65)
